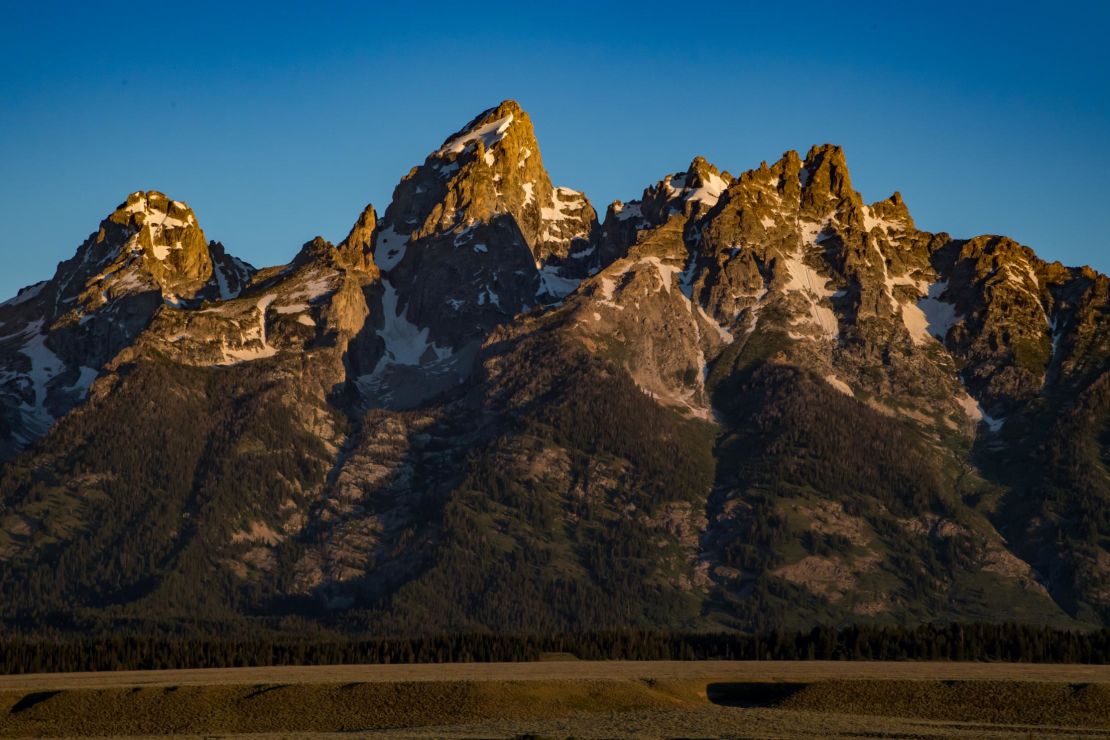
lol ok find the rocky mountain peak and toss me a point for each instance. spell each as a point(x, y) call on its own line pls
point(490, 167)
point(174, 249)
point(489, 128)
point(148, 252)
point(355, 252)
point(462, 181)
point(701, 172)
point(230, 275)
point(314, 250)
point(892, 210)
point(692, 192)
point(700, 187)
point(150, 243)
point(141, 207)
point(1009, 327)
point(358, 247)
point(893, 206)
point(826, 184)
point(478, 232)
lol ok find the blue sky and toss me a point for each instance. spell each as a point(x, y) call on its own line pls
point(279, 121)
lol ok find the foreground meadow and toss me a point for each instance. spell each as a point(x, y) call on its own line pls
point(570, 698)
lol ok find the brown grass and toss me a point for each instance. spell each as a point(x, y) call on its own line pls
point(313, 707)
point(564, 698)
point(580, 670)
point(994, 702)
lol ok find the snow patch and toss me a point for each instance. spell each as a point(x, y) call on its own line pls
point(316, 287)
point(390, 248)
point(566, 204)
point(26, 294)
point(165, 221)
point(606, 287)
point(247, 354)
point(490, 134)
point(814, 287)
point(554, 284)
point(666, 271)
point(45, 365)
point(623, 212)
point(870, 222)
point(709, 192)
point(221, 282)
point(975, 412)
point(971, 407)
point(405, 342)
point(686, 280)
point(939, 315)
point(446, 170)
point(464, 234)
point(292, 308)
point(811, 232)
point(86, 376)
point(488, 296)
point(1056, 333)
point(916, 323)
point(992, 423)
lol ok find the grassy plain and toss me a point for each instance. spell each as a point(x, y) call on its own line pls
point(570, 699)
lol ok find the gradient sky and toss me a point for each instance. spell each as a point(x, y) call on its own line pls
point(279, 121)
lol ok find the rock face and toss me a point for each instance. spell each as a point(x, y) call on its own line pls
point(746, 401)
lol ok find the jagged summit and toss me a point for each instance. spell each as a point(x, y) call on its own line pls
point(355, 252)
point(490, 167)
point(486, 130)
point(148, 242)
point(478, 233)
point(893, 210)
point(358, 246)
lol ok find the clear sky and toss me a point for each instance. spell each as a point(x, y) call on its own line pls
point(279, 121)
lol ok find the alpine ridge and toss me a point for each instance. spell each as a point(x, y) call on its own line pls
point(738, 401)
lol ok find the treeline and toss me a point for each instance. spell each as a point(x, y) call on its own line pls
point(971, 642)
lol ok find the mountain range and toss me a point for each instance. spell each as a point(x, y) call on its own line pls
point(734, 402)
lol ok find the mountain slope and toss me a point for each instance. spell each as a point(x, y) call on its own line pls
point(738, 402)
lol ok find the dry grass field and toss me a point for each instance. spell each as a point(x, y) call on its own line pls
point(570, 699)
